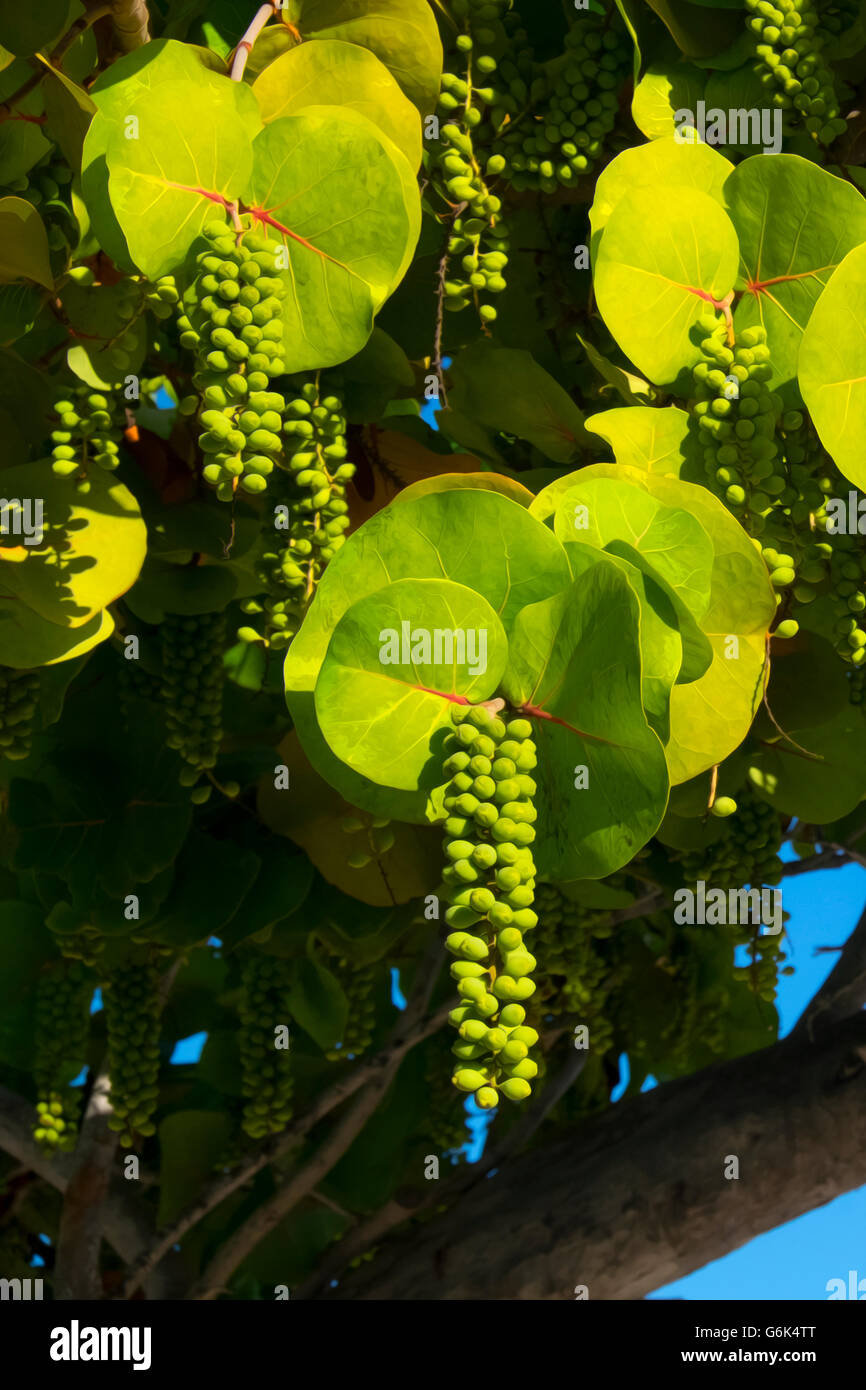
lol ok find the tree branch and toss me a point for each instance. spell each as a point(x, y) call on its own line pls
point(408, 1035)
point(269, 1215)
point(127, 1223)
point(130, 24)
point(844, 989)
point(76, 1270)
point(245, 46)
point(410, 1203)
point(639, 1197)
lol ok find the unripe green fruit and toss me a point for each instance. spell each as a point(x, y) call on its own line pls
point(512, 1016)
point(723, 806)
point(466, 970)
point(526, 1070)
point(509, 939)
point(466, 1079)
point(511, 989)
point(482, 900)
point(515, 1088)
point(500, 915)
point(472, 989)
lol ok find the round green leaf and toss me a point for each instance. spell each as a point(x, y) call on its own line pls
point(601, 510)
point(164, 180)
point(402, 33)
point(832, 367)
point(23, 244)
point(115, 94)
point(665, 163)
point(660, 261)
point(397, 662)
point(661, 644)
point(583, 694)
point(505, 389)
point(710, 716)
point(28, 640)
point(22, 145)
point(333, 73)
point(795, 222)
point(661, 441)
point(106, 537)
point(518, 562)
point(340, 269)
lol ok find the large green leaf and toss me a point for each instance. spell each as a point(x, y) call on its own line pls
point(661, 441)
point(402, 33)
point(832, 367)
point(602, 510)
point(25, 946)
point(117, 816)
point(661, 645)
point(164, 181)
point(665, 163)
point(475, 537)
point(696, 29)
point(668, 557)
point(27, 640)
point(583, 693)
point(333, 73)
point(710, 716)
point(660, 261)
point(384, 705)
point(23, 244)
point(311, 812)
point(815, 791)
point(114, 91)
point(340, 269)
point(105, 541)
point(104, 320)
point(318, 1003)
point(504, 389)
point(22, 145)
point(191, 1144)
point(212, 878)
point(795, 222)
point(25, 28)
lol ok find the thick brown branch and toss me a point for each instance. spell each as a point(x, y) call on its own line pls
point(130, 24)
point(77, 1271)
point(639, 1197)
point(127, 1223)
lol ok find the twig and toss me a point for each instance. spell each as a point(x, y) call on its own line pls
point(245, 46)
point(269, 1215)
point(440, 322)
point(828, 860)
point(217, 1191)
point(844, 990)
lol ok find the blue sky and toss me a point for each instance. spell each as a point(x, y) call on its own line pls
point(796, 1260)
